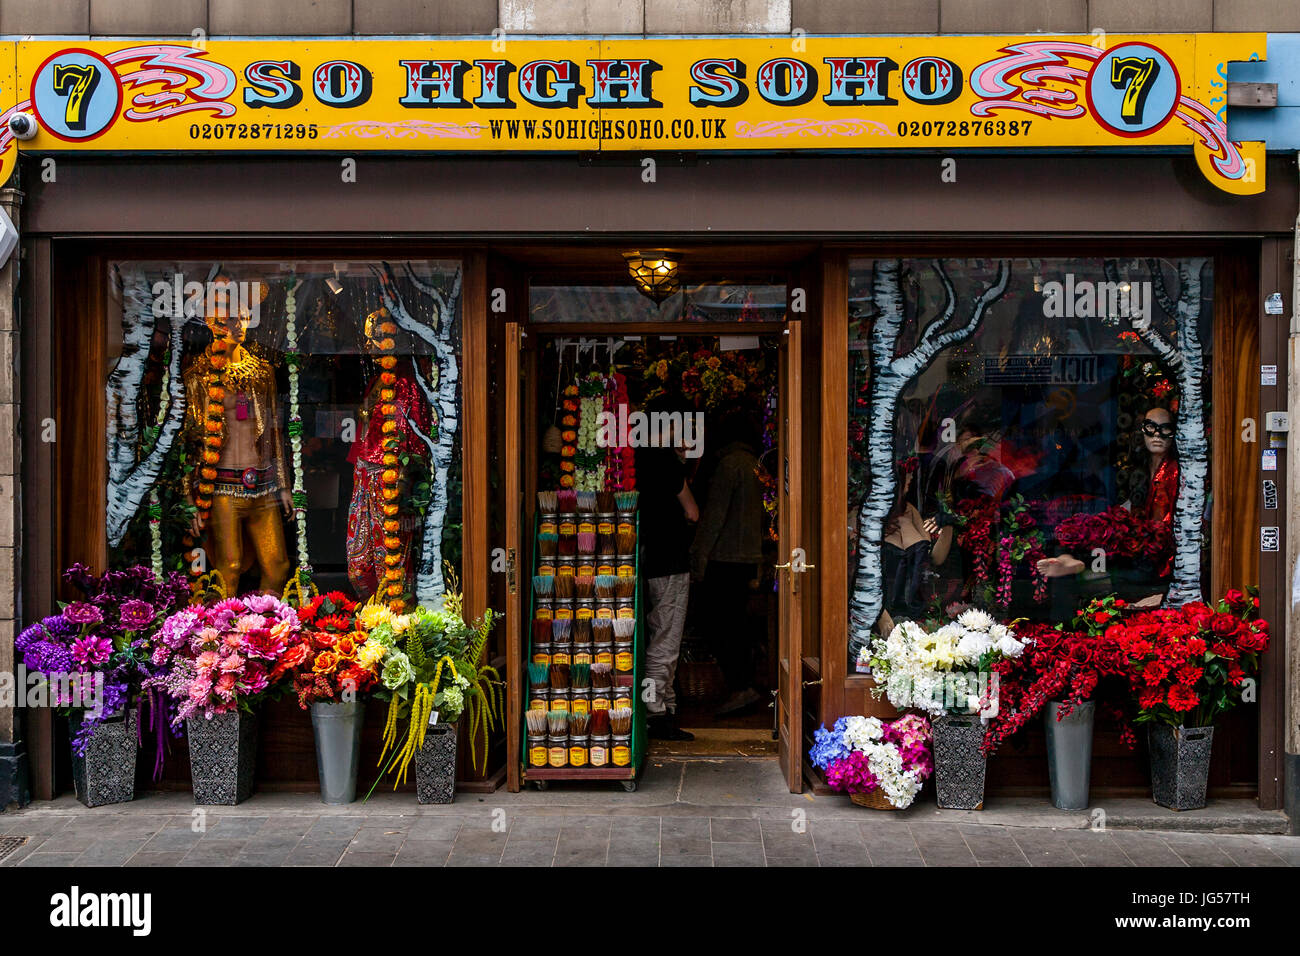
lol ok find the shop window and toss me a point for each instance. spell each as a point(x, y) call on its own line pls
point(266, 417)
point(1026, 434)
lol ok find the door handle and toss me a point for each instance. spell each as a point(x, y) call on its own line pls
point(813, 683)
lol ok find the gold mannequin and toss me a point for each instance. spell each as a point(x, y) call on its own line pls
point(249, 475)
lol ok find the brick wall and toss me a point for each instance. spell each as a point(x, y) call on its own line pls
point(450, 17)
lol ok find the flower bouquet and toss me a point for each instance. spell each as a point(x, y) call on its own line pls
point(1136, 550)
point(341, 664)
point(879, 764)
point(432, 673)
point(1186, 666)
point(94, 658)
point(1060, 674)
point(923, 669)
point(222, 661)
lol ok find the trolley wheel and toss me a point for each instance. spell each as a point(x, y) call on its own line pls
point(629, 786)
point(540, 784)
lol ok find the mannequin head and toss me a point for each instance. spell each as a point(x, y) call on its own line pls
point(1157, 427)
point(227, 318)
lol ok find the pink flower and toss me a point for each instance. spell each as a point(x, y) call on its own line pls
point(91, 651)
point(231, 664)
point(206, 661)
point(264, 644)
point(225, 687)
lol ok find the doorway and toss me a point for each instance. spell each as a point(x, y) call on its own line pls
point(717, 355)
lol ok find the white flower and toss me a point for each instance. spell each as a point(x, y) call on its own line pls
point(1010, 647)
point(975, 619)
point(861, 733)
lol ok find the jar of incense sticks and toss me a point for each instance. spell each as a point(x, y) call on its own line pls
point(606, 531)
point(565, 565)
point(580, 688)
point(537, 727)
point(546, 566)
point(622, 691)
point(602, 687)
point(599, 730)
point(625, 597)
point(557, 738)
point(563, 597)
point(605, 567)
point(561, 636)
point(548, 512)
point(548, 544)
point(539, 686)
point(625, 565)
point(579, 741)
point(620, 726)
point(585, 568)
point(548, 524)
point(559, 679)
point(542, 654)
point(603, 654)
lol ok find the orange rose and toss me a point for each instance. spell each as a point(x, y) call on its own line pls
point(392, 560)
point(394, 574)
point(390, 458)
point(391, 509)
point(211, 457)
point(389, 427)
point(391, 525)
point(346, 648)
point(216, 393)
point(389, 476)
point(387, 378)
point(387, 394)
point(326, 662)
point(213, 427)
point(387, 361)
point(390, 494)
point(388, 410)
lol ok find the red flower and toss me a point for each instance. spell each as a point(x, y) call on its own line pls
point(1151, 697)
point(1188, 675)
point(1101, 617)
point(1182, 698)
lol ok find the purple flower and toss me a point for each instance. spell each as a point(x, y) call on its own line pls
point(91, 651)
point(136, 614)
point(46, 657)
point(81, 613)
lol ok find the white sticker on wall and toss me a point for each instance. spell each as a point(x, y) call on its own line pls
point(1269, 538)
point(1268, 375)
point(1270, 460)
point(1270, 494)
point(1273, 304)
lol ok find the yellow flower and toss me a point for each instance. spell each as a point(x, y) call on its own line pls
point(662, 370)
point(372, 615)
point(370, 654)
point(400, 623)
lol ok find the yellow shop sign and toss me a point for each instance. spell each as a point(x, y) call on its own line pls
point(729, 93)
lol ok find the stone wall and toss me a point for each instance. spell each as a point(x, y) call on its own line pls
point(451, 17)
point(12, 770)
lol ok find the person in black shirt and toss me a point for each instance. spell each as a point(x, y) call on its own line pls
point(668, 514)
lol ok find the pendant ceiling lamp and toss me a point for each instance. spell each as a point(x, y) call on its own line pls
point(655, 273)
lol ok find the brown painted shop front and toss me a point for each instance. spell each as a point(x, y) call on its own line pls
point(785, 266)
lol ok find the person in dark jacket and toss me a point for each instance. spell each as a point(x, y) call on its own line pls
point(727, 551)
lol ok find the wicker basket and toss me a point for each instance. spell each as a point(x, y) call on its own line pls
point(874, 799)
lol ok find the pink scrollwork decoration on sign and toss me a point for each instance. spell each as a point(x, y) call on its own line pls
point(190, 82)
point(409, 129)
point(771, 129)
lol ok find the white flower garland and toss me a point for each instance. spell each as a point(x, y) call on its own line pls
point(295, 423)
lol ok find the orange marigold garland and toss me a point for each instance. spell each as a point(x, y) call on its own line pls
point(214, 432)
point(569, 436)
point(393, 586)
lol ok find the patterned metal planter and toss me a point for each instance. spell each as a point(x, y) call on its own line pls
point(1180, 765)
point(958, 763)
point(106, 774)
point(223, 755)
point(1069, 754)
point(435, 765)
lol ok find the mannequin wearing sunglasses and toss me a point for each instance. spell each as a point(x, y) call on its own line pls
point(1155, 493)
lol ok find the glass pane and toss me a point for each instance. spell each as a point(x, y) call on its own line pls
point(266, 416)
point(1026, 434)
point(717, 302)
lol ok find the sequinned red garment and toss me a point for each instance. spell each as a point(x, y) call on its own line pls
point(1162, 494)
point(366, 549)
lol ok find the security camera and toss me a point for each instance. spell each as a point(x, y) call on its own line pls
point(23, 125)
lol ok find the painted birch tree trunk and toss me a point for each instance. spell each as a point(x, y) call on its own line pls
point(131, 472)
point(890, 374)
point(440, 391)
point(1186, 361)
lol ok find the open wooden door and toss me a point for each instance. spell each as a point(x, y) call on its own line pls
point(512, 464)
point(793, 567)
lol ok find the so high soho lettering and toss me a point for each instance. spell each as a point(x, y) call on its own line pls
point(612, 83)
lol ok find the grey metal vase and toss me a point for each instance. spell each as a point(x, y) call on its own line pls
point(1069, 754)
point(1180, 765)
point(958, 763)
point(106, 774)
point(435, 765)
point(337, 728)
point(223, 757)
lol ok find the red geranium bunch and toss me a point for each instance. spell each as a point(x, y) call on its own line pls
point(1189, 664)
point(1121, 534)
point(335, 666)
point(1060, 665)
